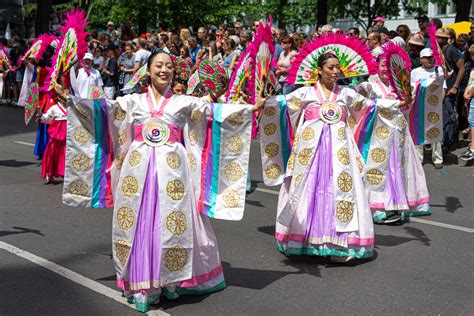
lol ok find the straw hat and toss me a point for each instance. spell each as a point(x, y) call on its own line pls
point(442, 32)
point(417, 40)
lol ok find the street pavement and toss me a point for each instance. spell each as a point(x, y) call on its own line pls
point(56, 260)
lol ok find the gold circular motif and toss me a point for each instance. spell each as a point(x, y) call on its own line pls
point(433, 87)
point(344, 182)
point(351, 121)
point(432, 132)
point(378, 155)
point(196, 116)
point(402, 122)
point(119, 114)
point(82, 111)
point(344, 211)
point(341, 132)
point(176, 258)
point(291, 162)
point(298, 179)
point(433, 100)
point(402, 141)
point(193, 137)
point(236, 119)
point(272, 171)
point(343, 156)
point(385, 113)
point(231, 198)
point(176, 222)
point(304, 156)
point(134, 158)
point(433, 117)
point(192, 161)
point(296, 140)
point(119, 161)
point(234, 144)
point(175, 189)
point(81, 162)
point(294, 104)
point(360, 164)
point(271, 150)
point(122, 137)
point(374, 176)
point(308, 133)
point(81, 135)
point(269, 129)
point(122, 251)
point(78, 188)
point(381, 132)
point(125, 217)
point(233, 171)
point(270, 111)
point(129, 186)
point(173, 160)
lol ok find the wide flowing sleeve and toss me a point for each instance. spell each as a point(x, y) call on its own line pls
point(217, 138)
point(98, 137)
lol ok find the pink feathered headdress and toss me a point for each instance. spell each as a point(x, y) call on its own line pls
point(398, 66)
point(43, 41)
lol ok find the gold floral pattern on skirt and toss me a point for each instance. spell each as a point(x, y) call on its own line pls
point(298, 179)
point(304, 156)
point(360, 164)
point(173, 160)
point(81, 162)
point(193, 137)
point(402, 122)
point(432, 132)
point(374, 176)
point(270, 111)
point(295, 104)
point(81, 135)
point(134, 158)
point(82, 111)
point(433, 100)
point(343, 156)
point(176, 258)
point(196, 116)
point(122, 250)
point(291, 162)
point(272, 171)
point(296, 140)
point(129, 186)
point(382, 132)
point(192, 161)
point(385, 113)
point(344, 182)
point(433, 87)
point(122, 137)
point(231, 198)
point(234, 144)
point(308, 133)
point(233, 171)
point(176, 222)
point(269, 129)
point(175, 189)
point(119, 114)
point(271, 150)
point(78, 188)
point(341, 132)
point(236, 119)
point(378, 155)
point(344, 211)
point(433, 117)
point(125, 218)
point(118, 161)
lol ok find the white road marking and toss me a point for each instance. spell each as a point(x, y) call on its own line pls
point(24, 143)
point(412, 219)
point(73, 276)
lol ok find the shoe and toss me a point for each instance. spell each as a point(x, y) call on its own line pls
point(393, 218)
point(339, 259)
point(438, 166)
point(467, 155)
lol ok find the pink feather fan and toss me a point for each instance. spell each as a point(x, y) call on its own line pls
point(398, 67)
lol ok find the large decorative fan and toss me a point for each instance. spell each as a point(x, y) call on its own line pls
point(354, 57)
point(66, 57)
point(437, 51)
point(38, 48)
point(262, 68)
point(97, 92)
point(195, 87)
point(213, 76)
point(4, 62)
point(32, 102)
point(240, 78)
point(137, 77)
point(398, 66)
point(182, 70)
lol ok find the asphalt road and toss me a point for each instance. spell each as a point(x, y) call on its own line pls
point(420, 268)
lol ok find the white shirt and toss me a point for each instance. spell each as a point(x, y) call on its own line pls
point(141, 56)
point(56, 112)
point(85, 82)
point(421, 73)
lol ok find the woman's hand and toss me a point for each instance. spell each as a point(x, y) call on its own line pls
point(261, 100)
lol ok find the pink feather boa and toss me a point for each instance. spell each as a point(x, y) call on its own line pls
point(357, 45)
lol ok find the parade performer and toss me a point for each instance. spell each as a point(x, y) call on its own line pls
point(383, 137)
point(163, 161)
point(322, 207)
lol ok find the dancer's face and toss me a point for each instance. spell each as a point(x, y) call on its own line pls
point(382, 71)
point(330, 70)
point(161, 70)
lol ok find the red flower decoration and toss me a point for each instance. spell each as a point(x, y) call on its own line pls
point(210, 84)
